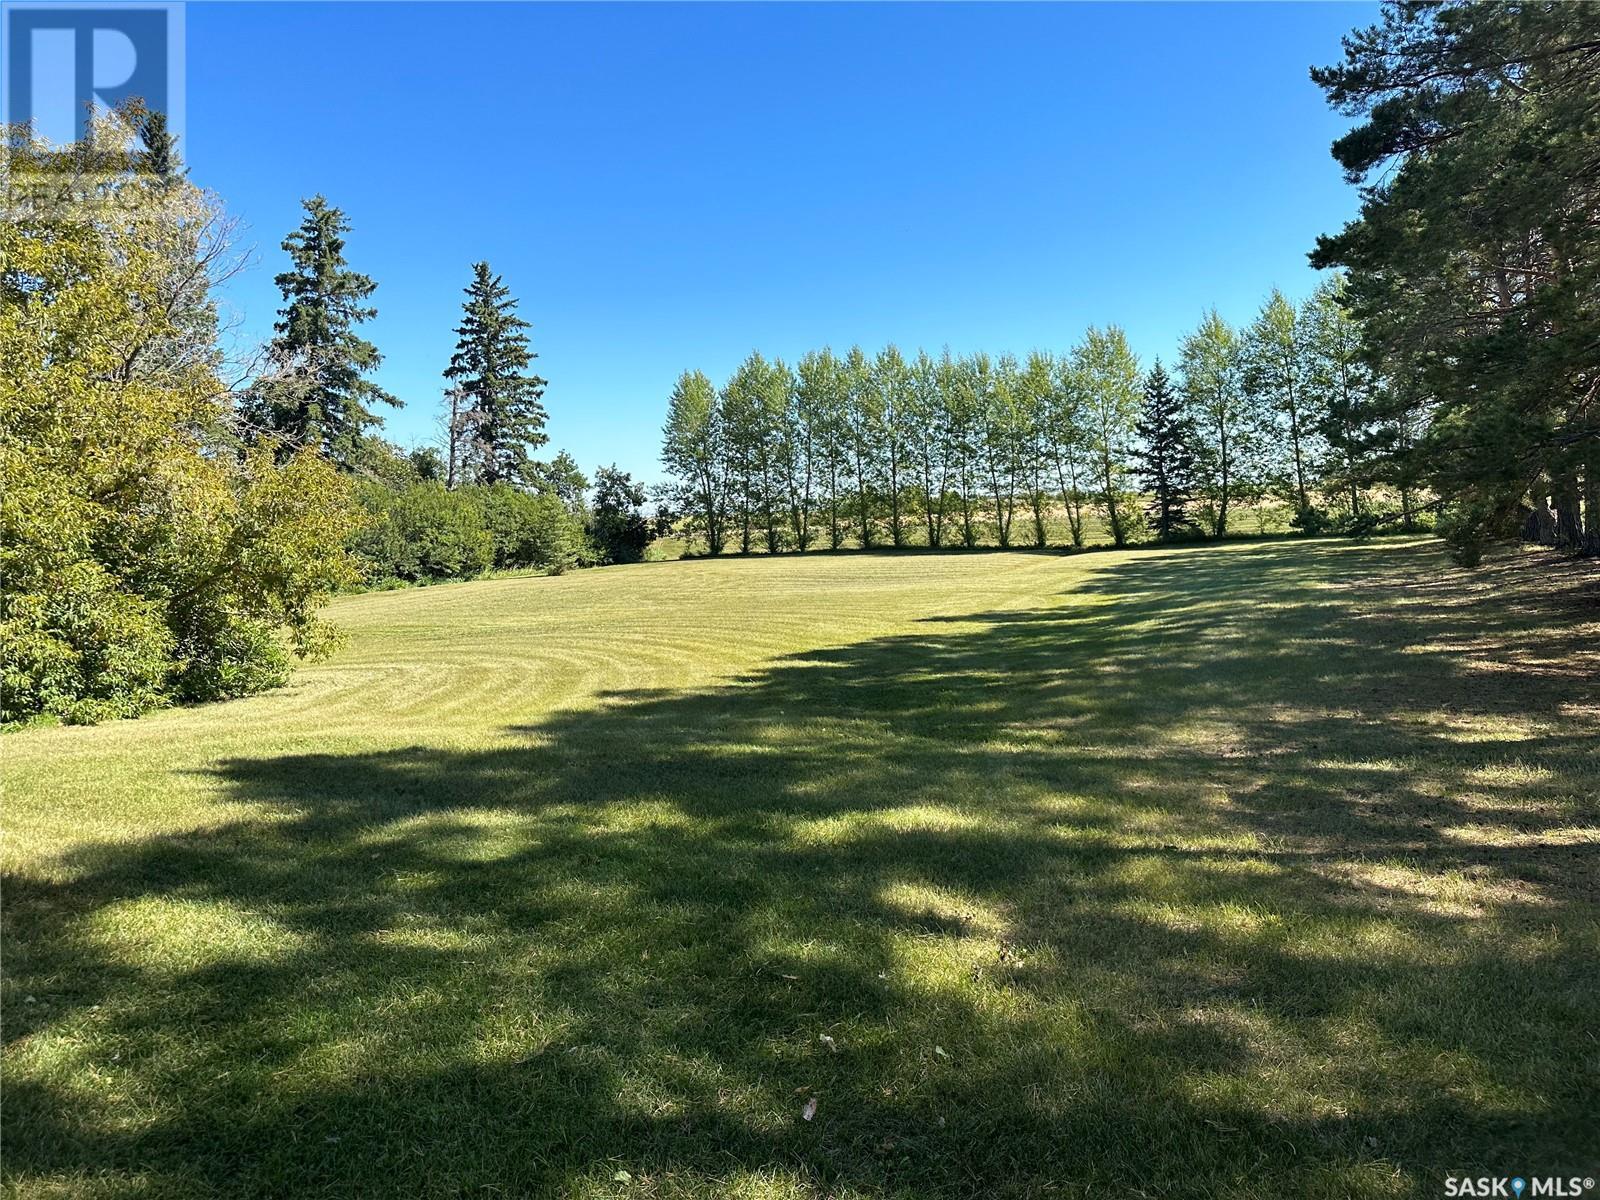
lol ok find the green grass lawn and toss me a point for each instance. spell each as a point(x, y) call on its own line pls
point(1251, 870)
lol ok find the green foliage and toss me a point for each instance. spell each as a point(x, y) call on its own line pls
point(83, 649)
point(1363, 443)
point(427, 465)
point(692, 450)
point(1166, 456)
point(618, 531)
point(144, 560)
point(316, 394)
point(562, 477)
point(821, 397)
point(1211, 363)
point(529, 529)
point(1109, 373)
point(1277, 370)
point(423, 533)
point(1474, 266)
point(227, 655)
point(503, 416)
point(753, 406)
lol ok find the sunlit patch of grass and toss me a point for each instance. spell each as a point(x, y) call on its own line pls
point(171, 936)
point(1255, 871)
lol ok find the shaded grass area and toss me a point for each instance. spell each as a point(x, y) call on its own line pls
point(1250, 871)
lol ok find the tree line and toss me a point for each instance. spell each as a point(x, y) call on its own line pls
point(1448, 374)
point(170, 536)
point(172, 524)
point(890, 449)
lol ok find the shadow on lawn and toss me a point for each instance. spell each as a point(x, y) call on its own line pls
point(1192, 895)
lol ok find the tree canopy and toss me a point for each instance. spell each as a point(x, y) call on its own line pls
point(1474, 265)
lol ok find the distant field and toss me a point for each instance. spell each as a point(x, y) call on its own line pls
point(1257, 870)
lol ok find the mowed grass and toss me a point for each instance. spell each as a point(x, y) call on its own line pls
point(1249, 870)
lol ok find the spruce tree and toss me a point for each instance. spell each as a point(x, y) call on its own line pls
point(1166, 456)
point(1474, 264)
point(316, 394)
point(504, 410)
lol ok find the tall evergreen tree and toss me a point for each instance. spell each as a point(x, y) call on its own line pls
point(1475, 260)
point(1166, 454)
point(316, 393)
point(504, 410)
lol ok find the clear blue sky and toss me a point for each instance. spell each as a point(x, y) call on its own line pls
point(668, 187)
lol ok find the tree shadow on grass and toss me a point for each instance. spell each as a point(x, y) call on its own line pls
point(1259, 873)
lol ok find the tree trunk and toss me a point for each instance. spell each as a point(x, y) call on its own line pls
point(895, 531)
point(1002, 526)
point(453, 438)
point(1222, 498)
point(1591, 503)
point(1118, 537)
point(1569, 519)
point(835, 538)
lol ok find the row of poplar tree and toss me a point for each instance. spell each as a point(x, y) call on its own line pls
point(1453, 371)
point(887, 449)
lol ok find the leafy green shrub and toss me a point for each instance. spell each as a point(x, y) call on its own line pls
point(618, 531)
point(423, 532)
point(509, 515)
point(82, 649)
point(1311, 520)
point(554, 540)
point(144, 558)
point(231, 656)
point(528, 529)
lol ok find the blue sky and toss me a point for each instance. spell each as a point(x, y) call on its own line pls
point(667, 187)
